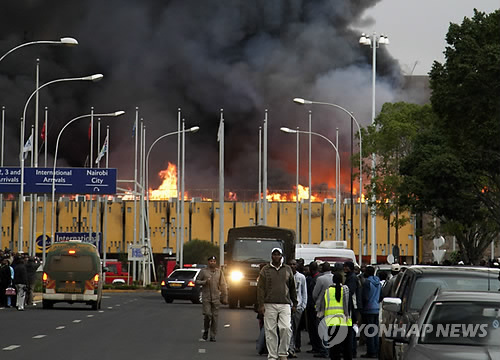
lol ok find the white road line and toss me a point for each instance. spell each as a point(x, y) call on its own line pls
point(11, 347)
point(101, 311)
point(60, 327)
point(110, 307)
point(202, 351)
point(39, 336)
point(77, 321)
point(90, 315)
point(118, 305)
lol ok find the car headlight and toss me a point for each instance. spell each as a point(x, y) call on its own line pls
point(236, 276)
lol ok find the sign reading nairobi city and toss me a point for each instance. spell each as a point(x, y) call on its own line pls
point(67, 180)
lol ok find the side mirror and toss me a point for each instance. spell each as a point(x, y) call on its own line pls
point(105, 269)
point(391, 304)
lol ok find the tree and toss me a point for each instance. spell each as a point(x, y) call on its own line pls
point(198, 251)
point(453, 170)
point(391, 138)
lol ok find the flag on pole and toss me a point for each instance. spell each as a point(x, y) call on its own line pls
point(133, 130)
point(103, 150)
point(28, 146)
point(220, 132)
point(90, 130)
point(42, 135)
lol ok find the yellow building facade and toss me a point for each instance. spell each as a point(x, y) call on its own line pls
point(115, 221)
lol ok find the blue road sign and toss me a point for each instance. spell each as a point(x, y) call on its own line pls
point(68, 180)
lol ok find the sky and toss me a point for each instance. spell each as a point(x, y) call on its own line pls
point(412, 43)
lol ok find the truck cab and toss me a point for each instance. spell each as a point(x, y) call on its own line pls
point(246, 249)
point(117, 272)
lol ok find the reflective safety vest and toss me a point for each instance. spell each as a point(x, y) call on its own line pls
point(334, 310)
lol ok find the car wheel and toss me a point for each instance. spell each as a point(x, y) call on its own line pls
point(197, 299)
point(46, 304)
point(232, 301)
point(168, 300)
point(95, 305)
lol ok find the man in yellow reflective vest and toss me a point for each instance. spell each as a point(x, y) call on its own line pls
point(337, 333)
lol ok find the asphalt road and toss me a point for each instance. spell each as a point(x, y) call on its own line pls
point(135, 325)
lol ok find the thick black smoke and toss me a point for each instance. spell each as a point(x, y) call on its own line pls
point(239, 55)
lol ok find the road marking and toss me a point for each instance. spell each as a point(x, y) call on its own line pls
point(11, 347)
point(60, 327)
point(101, 311)
point(202, 351)
point(90, 315)
point(39, 336)
point(110, 307)
point(118, 305)
point(77, 321)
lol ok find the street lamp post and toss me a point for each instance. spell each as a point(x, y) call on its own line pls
point(337, 166)
point(310, 102)
point(374, 42)
point(192, 129)
point(68, 41)
point(114, 114)
point(95, 77)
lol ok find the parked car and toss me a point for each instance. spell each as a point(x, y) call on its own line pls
point(418, 283)
point(181, 284)
point(476, 334)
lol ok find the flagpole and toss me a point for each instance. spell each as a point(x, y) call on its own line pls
point(264, 170)
point(105, 235)
point(177, 223)
point(136, 126)
point(35, 155)
point(90, 166)
point(46, 132)
point(221, 188)
point(98, 197)
point(30, 244)
point(183, 159)
point(259, 209)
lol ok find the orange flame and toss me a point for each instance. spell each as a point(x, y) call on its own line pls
point(303, 194)
point(168, 188)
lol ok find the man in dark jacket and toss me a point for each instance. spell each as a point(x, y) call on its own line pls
point(354, 285)
point(277, 299)
point(370, 298)
point(312, 327)
point(20, 281)
point(31, 267)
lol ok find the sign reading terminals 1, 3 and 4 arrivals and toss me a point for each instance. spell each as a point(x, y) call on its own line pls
point(68, 180)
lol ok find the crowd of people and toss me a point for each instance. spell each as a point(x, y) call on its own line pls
point(329, 302)
point(17, 279)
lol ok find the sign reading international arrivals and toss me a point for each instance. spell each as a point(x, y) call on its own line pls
point(67, 180)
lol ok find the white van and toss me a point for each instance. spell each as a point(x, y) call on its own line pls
point(331, 251)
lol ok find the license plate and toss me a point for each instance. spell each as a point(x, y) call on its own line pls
point(175, 285)
point(253, 283)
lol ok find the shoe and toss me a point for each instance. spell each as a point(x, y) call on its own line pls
point(297, 350)
point(205, 335)
point(292, 355)
point(369, 356)
point(212, 339)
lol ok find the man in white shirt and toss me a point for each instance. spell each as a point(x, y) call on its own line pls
point(300, 286)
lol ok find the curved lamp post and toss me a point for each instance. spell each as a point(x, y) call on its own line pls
point(193, 130)
point(310, 102)
point(114, 114)
point(68, 41)
point(374, 42)
point(337, 212)
point(95, 77)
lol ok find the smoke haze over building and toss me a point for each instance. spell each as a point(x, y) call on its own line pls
point(201, 56)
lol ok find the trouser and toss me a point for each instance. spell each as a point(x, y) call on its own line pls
point(21, 294)
point(344, 348)
point(29, 293)
point(295, 330)
point(312, 329)
point(211, 316)
point(371, 326)
point(322, 349)
point(277, 319)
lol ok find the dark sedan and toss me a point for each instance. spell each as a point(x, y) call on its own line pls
point(181, 284)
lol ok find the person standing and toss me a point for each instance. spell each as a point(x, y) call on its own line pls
point(323, 282)
point(370, 297)
point(6, 273)
point(312, 327)
point(214, 292)
point(20, 281)
point(31, 267)
point(300, 286)
point(338, 310)
point(275, 292)
point(354, 285)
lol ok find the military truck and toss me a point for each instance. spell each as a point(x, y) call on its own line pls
point(246, 248)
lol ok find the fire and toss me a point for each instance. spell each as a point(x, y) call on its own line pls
point(168, 188)
point(303, 194)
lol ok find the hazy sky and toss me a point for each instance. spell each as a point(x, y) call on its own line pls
point(417, 29)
